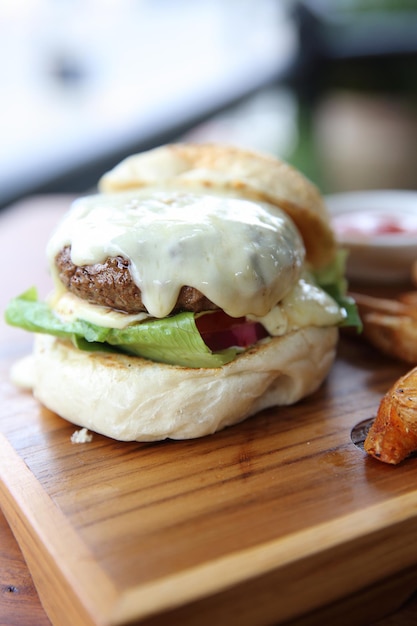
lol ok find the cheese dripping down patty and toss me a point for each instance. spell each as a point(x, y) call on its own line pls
point(245, 256)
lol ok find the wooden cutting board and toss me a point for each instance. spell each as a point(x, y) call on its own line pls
point(262, 523)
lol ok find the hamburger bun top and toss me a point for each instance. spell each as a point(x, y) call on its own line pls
point(233, 171)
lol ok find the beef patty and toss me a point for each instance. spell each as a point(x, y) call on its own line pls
point(110, 284)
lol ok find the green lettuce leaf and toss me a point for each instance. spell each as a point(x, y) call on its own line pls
point(174, 340)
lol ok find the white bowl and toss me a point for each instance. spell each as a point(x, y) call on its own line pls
point(379, 229)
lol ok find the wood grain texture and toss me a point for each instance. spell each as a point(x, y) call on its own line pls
point(265, 522)
point(20, 605)
point(19, 602)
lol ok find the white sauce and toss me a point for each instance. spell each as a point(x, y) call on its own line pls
point(244, 256)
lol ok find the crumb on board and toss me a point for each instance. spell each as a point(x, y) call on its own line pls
point(81, 436)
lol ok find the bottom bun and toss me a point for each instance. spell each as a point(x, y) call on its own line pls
point(132, 399)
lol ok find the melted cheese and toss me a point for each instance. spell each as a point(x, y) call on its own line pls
point(305, 305)
point(71, 308)
point(244, 256)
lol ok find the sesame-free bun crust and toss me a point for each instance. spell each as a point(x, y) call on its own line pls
point(227, 169)
point(132, 399)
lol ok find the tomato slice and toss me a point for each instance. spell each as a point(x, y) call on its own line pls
point(220, 331)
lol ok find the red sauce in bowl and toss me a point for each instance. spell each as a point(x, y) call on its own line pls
point(366, 224)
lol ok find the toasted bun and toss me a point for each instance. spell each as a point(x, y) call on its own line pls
point(132, 399)
point(229, 169)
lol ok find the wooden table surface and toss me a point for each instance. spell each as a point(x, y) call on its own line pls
point(26, 228)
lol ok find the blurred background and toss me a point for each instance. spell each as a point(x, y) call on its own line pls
point(330, 86)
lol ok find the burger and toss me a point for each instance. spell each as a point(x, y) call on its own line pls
point(200, 285)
